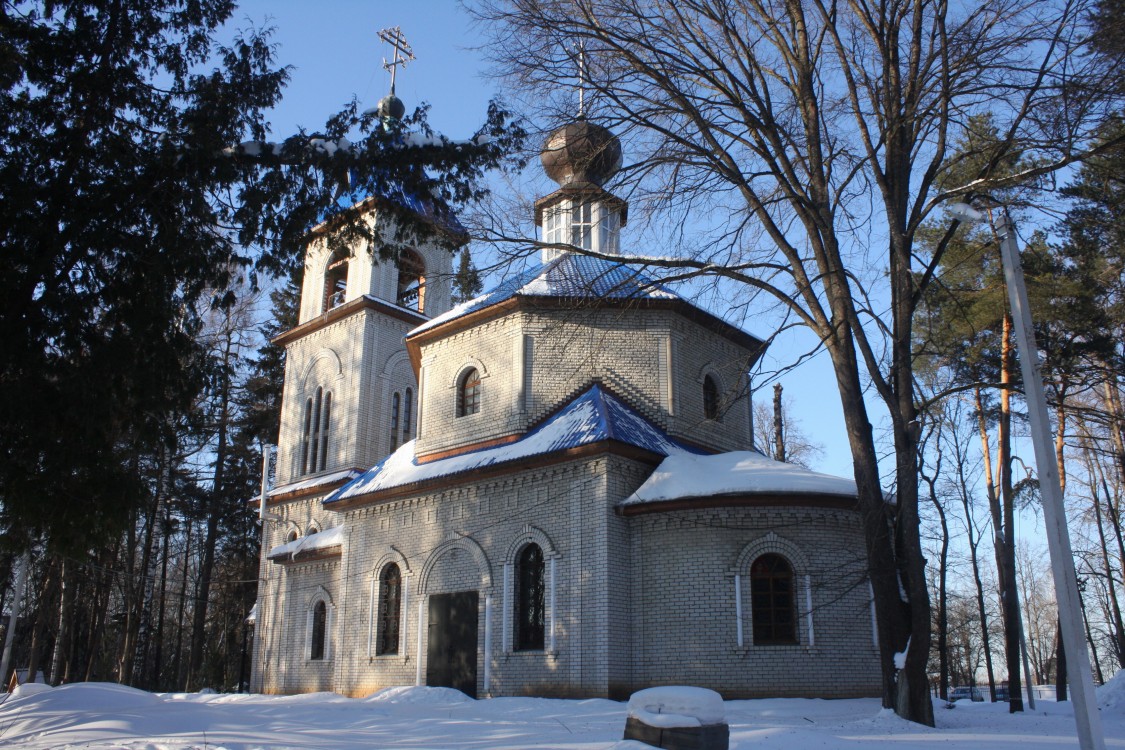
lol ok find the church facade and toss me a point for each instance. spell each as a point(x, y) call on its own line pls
point(547, 490)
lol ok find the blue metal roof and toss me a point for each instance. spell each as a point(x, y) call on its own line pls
point(393, 191)
point(569, 275)
point(594, 416)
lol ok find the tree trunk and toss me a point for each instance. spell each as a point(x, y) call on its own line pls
point(1110, 577)
point(158, 660)
point(214, 511)
point(101, 605)
point(177, 662)
point(1060, 666)
point(1004, 522)
point(66, 617)
point(892, 615)
point(136, 611)
point(990, 491)
point(943, 611)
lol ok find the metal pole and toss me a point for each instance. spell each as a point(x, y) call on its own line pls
point(1090, 735)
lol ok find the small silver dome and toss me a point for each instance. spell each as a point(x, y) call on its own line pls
point(390, 106)
point(581, 151)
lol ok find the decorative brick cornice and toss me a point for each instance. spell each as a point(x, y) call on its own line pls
point(328, 317)
point(498, 470)
point(317, 555)
point(414, 342)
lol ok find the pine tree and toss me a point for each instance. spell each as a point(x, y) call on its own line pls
point(467, 283)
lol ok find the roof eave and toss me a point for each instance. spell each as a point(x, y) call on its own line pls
point(741, 500)
point(445, 481)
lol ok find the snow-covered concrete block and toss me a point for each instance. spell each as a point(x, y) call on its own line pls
point(678, 718)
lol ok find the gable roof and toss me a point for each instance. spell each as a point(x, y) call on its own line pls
point(594, 416)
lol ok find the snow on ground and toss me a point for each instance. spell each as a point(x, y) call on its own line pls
point(100, 716)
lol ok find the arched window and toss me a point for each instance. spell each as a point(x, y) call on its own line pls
point(395, 405)
point(468, 393)
point(710, 398)
point(411, 280)
point(319, 631)
point(306, 430)
point(529, 599)
point(407, 415)
point(773, 600)
point(390, 609)
point(314, 440)
point(335, 280)
point(291, 536)
point(325, 416)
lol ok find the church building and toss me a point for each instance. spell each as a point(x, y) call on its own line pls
point(548, 490)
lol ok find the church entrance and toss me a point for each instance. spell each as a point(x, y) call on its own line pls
point(451, 655)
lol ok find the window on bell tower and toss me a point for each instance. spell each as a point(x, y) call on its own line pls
point(314, 432)
point(335, 280)
point(411, 281)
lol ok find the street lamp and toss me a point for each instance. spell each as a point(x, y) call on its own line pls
point(1090, 736)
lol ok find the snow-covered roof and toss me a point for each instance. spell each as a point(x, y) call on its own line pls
point(592, 417)
point(326, 539)
point(393, 191)
point(569, 275)
point(311, 483)
point(683, 476)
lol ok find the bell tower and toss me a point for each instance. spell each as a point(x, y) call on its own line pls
point(350, 395)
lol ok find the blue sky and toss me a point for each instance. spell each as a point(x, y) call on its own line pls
point(335, 53)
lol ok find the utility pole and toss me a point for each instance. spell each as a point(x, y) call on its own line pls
point(1089, 723)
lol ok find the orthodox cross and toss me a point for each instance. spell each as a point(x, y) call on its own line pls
point(393, 36)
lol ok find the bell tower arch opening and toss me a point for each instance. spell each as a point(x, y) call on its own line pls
point(411, 281)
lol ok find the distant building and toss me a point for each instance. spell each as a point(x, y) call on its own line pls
point(547, 490)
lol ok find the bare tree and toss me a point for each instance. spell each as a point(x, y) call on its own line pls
point(798, 147)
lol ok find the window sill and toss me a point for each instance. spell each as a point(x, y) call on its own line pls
point(532, 652)
point(404, 658)
point(776, 647)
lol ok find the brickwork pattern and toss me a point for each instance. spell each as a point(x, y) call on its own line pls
point(530, 362)
point(685, 564)
point(639, 601)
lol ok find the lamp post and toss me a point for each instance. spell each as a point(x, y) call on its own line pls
point(1090, 735)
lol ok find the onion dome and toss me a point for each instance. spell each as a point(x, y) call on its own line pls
point(390, 106)
point(581, 151)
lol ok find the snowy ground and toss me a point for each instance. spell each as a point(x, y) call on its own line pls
point(103, 716)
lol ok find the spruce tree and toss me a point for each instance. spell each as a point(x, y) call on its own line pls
point(126, 202)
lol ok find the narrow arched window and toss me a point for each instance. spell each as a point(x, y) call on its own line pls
point(411, 280)
point(395, 405)
point(319, 631)
point(305, 432)
point(335, 280)
point(325, 419)
point(390, 609)
point(314, 435)
point(407, 415)
point(529, 599)
point(468, 393)
point(773, 600)
point(710, 398)
point(291, 536)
